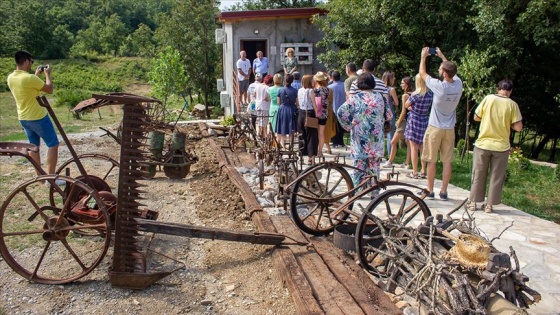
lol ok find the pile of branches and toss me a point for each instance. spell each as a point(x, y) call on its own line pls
point(422, 263)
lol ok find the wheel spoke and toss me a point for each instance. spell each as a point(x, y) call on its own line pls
point(327, 180)
point(19, 233)
point(34, 274)
point(71, 251)
point(35, 205)
point(335, 186)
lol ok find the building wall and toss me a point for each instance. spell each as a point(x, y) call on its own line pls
point(275, 32)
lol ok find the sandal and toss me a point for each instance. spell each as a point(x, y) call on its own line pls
point(412, 175)
point(488, 208)
point(423, 175)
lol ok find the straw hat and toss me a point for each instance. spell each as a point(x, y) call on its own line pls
point(320, 76)
point(470, 251)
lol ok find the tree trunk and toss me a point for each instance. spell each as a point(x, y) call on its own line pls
point(535, 154)
point(552, 157)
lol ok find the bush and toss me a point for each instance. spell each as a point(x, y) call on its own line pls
point(70, 98)
point(228, 121)
point(516, 158)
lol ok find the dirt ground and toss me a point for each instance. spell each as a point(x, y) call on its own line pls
point(219, 278)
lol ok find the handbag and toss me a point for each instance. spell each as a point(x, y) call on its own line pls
point(318, 105)
point(311, 122)
point(387, 124)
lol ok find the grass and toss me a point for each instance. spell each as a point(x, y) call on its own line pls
point(533, 189)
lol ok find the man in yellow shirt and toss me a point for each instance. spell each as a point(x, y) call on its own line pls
point(33, 118)
point(497, 114)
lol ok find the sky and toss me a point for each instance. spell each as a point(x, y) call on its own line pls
point(227, 3)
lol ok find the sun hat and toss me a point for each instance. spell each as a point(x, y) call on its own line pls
point(470, 251)
point(319, 77)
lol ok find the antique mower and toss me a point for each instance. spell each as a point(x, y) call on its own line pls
point(166, 143)
point(57, 228)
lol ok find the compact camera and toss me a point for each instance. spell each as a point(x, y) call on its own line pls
point(432, 51)
point(43, 67)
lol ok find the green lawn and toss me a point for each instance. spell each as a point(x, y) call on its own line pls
point(534, 190)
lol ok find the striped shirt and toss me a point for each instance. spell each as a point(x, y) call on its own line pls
point(379, 87)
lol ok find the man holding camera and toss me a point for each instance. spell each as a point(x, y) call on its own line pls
point(440, 134)
point(34, 118)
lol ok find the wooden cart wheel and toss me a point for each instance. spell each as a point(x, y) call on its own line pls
point(234, 138)
point(45, 242)
point(400, 206)
point(316, 197)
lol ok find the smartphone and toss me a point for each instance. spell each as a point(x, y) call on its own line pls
point(432, 51)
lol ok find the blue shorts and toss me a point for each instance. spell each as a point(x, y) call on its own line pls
point(37, 129)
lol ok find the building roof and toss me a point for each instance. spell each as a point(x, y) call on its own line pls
point(271, 14)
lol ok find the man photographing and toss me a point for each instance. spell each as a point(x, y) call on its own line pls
point(440, 134)
point(34, 118)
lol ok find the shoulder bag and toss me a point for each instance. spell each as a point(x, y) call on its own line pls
point(387, 123)
point(310, 122)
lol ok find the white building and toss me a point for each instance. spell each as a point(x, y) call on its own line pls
point(269, 31)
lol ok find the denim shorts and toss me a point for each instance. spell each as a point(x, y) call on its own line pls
point(37, 129)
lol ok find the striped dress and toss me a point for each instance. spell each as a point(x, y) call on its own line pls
point(417, 120)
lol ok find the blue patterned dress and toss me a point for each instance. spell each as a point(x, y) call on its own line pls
point(362, 115)
point(417, 120)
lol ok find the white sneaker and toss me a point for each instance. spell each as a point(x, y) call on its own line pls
point(387, 164)
point(405, 166)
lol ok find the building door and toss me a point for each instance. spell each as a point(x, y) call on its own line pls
point(251, 47)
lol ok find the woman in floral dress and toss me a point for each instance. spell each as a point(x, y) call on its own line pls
point(362, 115)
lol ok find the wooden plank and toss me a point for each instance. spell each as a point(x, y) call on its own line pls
point(371, 298)
point(294, 279)
point(331, 294)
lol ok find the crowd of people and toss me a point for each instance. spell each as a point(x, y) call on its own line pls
point(423, 120)
point(362, 105)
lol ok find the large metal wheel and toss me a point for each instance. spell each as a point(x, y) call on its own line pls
point(396, 206)
point(46, 242)
point(316, 197)
point(98, 165)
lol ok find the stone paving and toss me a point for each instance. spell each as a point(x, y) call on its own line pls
point(534, 240)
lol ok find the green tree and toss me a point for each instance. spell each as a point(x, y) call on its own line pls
point(190, 30)
point(272, 4)
point(168, 75)
point(140, 43)
point(523, 39)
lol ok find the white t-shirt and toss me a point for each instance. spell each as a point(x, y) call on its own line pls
point(446, 99)
point(261, 92)
point(251, 90)
point(304, 99)
point(244, 65)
